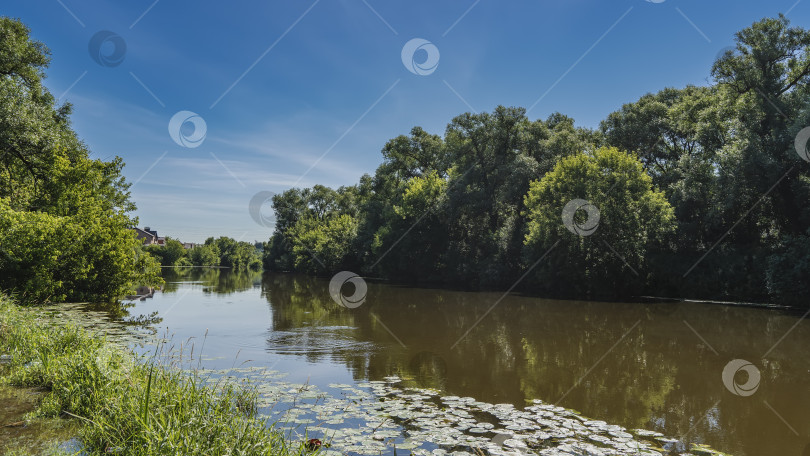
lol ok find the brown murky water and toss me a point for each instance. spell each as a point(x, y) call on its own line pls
point(652, 366)
point(30, 437)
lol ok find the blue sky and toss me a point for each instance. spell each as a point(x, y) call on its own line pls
point(295, 93)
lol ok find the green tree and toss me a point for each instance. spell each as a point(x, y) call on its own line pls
point(415, 230)
point(453, 208)
point(495, 156)
point(235, 254)
point(677, 134)
point(788, 270)
point(168, 254)
point(632, 218)
point(89, 256)
point(205, 255)
point(380, 228)
point(321, 246)
point(292, 248)
point(52, 194)
point(717, 152)
point(765, 85)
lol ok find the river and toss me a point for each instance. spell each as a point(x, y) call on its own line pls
point(656, 366)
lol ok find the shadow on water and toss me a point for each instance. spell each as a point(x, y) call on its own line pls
point(655, 366)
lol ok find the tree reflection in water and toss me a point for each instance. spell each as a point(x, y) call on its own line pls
point(658, 375)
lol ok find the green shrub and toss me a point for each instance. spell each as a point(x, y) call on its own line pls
point(90, 256)
point(609, 261)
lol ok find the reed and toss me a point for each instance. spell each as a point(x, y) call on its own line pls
point(130, 405)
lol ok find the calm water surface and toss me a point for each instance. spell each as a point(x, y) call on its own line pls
point(652, 366)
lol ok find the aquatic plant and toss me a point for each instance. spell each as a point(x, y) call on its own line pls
point(129, 405)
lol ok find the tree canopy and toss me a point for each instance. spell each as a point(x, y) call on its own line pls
point(700, 193)
point(65, 217)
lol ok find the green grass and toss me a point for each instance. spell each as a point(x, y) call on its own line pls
point(129, 405)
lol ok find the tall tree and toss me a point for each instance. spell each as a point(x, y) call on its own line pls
point(596, 216)
point(66, 217)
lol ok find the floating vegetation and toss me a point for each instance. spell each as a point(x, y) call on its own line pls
point(117, 328)
point(381, 417)
point(20, 434)
point(384, 417)
point(125, 404)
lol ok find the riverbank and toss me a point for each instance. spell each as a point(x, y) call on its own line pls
point(127, 405)
point(42, 436)
point(138, 406)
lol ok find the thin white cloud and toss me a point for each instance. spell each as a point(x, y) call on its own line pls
point(285, 142)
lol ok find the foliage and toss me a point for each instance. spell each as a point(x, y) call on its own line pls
point(788, 269)
point(702, 195)
point(223, 251)
point(168, 254)
point(633, 217)
point(234, 254)
point(725, 157)
point(310, 224)
point(413, 228)
point(65, 216)
point(87, 256)
point(436, 210)
point(129, 406)
point(319, 246)
point(205, 255)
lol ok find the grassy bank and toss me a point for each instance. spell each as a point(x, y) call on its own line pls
point(127, 405)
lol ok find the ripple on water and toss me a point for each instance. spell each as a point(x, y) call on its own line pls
point(329, 340)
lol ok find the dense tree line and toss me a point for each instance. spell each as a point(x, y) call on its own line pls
point(699, 192)
point(64, 217)
point(223, 251)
